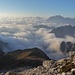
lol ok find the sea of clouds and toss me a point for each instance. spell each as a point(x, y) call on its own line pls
point(24, 36)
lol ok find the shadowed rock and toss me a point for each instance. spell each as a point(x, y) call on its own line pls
point(63, 31)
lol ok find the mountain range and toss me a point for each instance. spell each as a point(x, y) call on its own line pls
point(58, 20)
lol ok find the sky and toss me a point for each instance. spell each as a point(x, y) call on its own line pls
point(44, 8)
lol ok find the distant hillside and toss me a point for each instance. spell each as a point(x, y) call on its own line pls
point(61, 20)
point(19, 58)
point(64, 31)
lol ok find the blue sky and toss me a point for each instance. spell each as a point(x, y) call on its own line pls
point(44, 8)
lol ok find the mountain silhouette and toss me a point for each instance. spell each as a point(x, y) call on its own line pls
point(63, 31)
point(61, 20)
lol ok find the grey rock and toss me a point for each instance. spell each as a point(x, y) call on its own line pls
point(73, 71)
point(48, 63)
point(11, 73)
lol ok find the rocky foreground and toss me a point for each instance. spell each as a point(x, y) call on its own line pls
point(64, 66)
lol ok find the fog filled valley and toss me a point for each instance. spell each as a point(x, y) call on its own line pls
point(42, 37)
point(30, 32)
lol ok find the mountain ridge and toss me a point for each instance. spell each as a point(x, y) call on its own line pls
point(58, 19)
point(63, 31)
point(20, 58)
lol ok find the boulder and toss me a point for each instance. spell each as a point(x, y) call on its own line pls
point(73, 71)
point(48, 63)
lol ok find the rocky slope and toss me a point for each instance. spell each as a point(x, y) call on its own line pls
point(35, 62)
point(60, 67)
point(49, 67)
point(64, 66)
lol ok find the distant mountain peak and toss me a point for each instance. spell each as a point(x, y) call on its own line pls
point(58, 20)
point(58, 16)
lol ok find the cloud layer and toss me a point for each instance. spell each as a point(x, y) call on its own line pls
point(26, 36)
